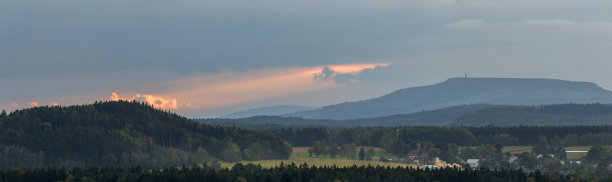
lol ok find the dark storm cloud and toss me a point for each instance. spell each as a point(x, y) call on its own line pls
point(186, 36)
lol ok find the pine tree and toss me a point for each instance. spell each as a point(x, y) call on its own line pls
point(333, 151)
point(3, 114)
point(362, 154)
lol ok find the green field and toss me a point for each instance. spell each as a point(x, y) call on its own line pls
point(570, 155)
point(516, 149)
point(301, 156)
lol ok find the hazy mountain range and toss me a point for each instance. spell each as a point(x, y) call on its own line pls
point(457, 101)
point(465, 91)
point(465, 115)
point(267, 111)
point(438, 117)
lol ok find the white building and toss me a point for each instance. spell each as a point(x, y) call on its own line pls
point(474, 163)
point(512, 159)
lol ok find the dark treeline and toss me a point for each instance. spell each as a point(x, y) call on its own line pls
point(462, 136)
point(124, 134)
point(291, 172)
point(526, 135)
point(300, 137)
point(545, 115)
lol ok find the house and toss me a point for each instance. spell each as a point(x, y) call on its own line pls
point(474, 163)
point(512, 159)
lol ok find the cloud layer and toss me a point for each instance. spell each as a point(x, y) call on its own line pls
point(233, 88)
point(197, 93)
point(345, 74)
point(203, 56)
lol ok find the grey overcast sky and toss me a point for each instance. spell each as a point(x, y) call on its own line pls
point(206, 58)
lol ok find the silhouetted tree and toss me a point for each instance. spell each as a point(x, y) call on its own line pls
point(362, 154)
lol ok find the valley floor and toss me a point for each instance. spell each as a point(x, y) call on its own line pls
point(300, 156)
point(580, 151)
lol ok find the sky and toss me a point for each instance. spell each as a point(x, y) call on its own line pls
point(209, 58)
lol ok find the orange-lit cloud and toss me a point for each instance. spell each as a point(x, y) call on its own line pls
point(204, 92)
point(209, 92)
point(215, 91)
point(115, 97)
point(223, 90)
point(345, 73)
point(357, 67)
point(155, 101)
point(33, 104)
point(160, 102)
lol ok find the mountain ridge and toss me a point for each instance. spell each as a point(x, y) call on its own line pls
point(478, 115)
point(267, 110)
point(465, 91)
point(438, 117)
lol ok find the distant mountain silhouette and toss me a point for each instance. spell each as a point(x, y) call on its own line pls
point(438, 117)
point(465, 91)
point(465, 115)
point(270, 110)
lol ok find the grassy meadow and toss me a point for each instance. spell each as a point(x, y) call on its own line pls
point(300, 156)
point(570, 155)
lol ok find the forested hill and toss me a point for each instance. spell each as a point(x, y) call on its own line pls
point(465, 91)
point(123, 134)
point(551, 115)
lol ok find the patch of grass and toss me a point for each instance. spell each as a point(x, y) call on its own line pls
point(300, 149)
point(376, 149)
point(570, 155)
point(318, 162)
point(516, 149)
point(303, 152)
point(577, 155)
point(580, 148)
point(300, 156)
